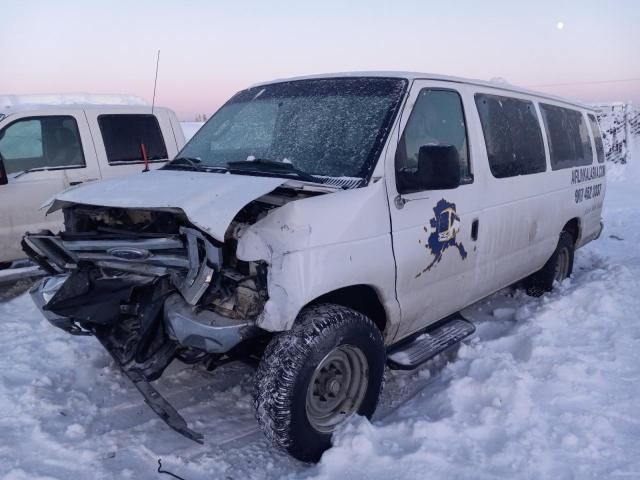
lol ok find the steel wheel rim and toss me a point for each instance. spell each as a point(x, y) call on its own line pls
point(337, 388)
point(562, 265)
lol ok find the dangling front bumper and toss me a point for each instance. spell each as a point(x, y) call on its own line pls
point(177, 324)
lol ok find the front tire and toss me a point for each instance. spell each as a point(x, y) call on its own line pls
point(557, 268)
point(314, 377)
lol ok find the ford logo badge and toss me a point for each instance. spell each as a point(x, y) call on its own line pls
point(129, 253)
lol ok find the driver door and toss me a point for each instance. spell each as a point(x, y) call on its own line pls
point(434, 231)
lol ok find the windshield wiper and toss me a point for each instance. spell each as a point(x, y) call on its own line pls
point(263, 165)
point(184, 162)
point(15, 175)
point(192, 163)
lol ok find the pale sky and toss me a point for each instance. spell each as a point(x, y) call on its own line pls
point(211, 49)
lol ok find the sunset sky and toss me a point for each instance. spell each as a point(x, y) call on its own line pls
point(210, 49)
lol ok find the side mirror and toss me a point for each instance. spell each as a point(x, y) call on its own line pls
point(4, 179)
point(438, 167)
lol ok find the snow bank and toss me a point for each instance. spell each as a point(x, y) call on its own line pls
point(551, 392)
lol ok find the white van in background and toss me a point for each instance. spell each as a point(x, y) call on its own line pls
point(45, 149)
point(329, 226)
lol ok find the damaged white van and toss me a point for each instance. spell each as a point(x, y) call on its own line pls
point(322, 226)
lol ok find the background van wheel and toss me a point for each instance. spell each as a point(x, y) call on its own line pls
point(557, 268)
point(312, 378)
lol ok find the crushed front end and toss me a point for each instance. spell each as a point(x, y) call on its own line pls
point(151, 287)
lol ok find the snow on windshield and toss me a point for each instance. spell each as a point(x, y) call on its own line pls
point(330, 127)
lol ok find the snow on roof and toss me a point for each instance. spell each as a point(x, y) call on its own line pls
point(25, 102)
point(613, 106)
point(497, 82)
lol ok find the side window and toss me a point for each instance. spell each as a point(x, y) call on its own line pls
point(568, 137)
point(597, 137)
point(512, 135)
point(124, 134)
point(437, 119)
point(40, 143)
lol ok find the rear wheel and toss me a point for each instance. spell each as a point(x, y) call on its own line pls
point(557, 268)
point(314, 377)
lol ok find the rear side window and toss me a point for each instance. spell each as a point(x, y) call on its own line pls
point(597, 137)
point(41, 143)
point(124, 134)
point(568, 137)
point(512, 135)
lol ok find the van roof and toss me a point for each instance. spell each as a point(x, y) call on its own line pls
point(7, 100)
point(67, 101)
point(79, 106)
point(432, 76)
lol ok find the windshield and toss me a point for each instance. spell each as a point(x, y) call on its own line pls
point(332, 127)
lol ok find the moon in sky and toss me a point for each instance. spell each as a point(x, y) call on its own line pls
point(560, 25)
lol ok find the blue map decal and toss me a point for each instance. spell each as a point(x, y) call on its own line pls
point(445, 227)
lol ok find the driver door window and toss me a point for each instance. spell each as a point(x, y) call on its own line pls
point(41, 142)
point(437, 119)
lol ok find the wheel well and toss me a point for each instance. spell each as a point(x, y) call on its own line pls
point(362, 298)
point(573, 228)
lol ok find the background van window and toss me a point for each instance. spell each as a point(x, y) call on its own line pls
point(41, 142)
point(124, 134)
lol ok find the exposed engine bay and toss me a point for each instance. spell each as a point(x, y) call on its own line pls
point(152, 287)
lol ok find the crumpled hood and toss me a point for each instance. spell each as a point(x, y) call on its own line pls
point(209, 200)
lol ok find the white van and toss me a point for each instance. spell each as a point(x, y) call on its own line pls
point(45, 149)
point(323, 225)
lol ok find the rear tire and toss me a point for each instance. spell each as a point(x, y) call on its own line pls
point(557, 268)
point(314, 377)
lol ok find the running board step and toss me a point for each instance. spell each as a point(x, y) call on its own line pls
point(411, 354)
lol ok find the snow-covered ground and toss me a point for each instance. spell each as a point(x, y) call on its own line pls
point(548, 388)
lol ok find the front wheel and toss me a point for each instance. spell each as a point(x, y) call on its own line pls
point(314, 377)
point(557, 268)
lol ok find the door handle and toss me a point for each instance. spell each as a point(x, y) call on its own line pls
point(76, 183)
point(474, 229)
